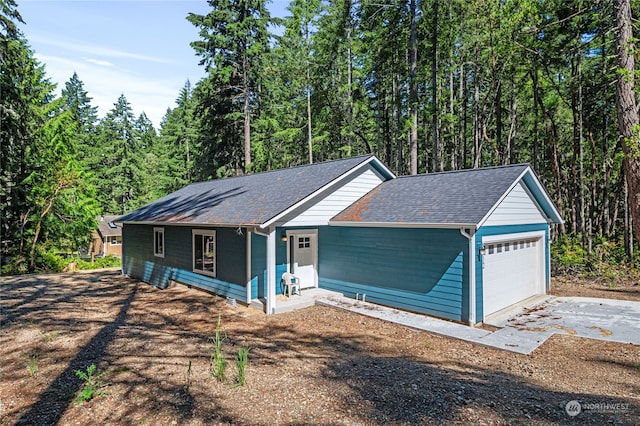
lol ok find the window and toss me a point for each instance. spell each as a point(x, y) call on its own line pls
point(158, 242)
point(304, 242)
point(204, 251)
point(115, 240)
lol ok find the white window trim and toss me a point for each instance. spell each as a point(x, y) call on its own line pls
point(209, 232)
point(510, 237)
point(157, 231)
point(117, 243)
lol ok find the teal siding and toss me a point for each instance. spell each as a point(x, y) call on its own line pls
point(258, 277)
point(258, 266)
point(499, 230)
point(139, 261)
point(422, 270)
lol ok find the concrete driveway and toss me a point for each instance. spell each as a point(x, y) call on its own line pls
point(523, 328)
point(603, 319)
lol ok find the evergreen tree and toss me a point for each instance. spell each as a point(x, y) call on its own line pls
point(233, 39)
point(176, 146)
point(25, 94)
point(62, 201)
point(119, 171)
point(284, 129)
point(77, 100)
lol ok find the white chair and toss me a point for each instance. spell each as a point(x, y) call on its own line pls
point(290, 284)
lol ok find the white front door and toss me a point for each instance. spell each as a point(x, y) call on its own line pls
point(302, 256)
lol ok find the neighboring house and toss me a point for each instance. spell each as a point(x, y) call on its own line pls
point(457, 245)
point(107, 239)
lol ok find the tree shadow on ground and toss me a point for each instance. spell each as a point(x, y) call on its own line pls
point(430, 392)
point(61, 391)
point(147, 325)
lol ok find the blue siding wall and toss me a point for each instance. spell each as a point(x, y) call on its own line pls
point(259, 263)
point(139, 261)
point(499, 230)
point(422, 270)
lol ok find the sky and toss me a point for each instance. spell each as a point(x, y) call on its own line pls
point(136, 48)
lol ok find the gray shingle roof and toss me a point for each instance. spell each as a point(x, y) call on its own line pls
point(458, 197)
point(107, 227)
point(245, 200)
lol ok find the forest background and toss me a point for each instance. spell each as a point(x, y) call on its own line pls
point(426, 85)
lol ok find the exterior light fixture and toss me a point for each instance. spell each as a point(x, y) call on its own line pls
point(482, 251)
point(283, 238)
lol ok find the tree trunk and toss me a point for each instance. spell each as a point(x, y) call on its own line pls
point(413, 96)
point(247, 118)
point(308, 64)
point(626, 107)
point(435, 157)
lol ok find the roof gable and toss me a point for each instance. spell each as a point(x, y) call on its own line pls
point(257, 199)
point(458, 198)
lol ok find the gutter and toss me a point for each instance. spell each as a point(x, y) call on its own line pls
point(403, 224)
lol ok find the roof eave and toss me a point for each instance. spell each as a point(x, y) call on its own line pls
point(193, 224)
point(402, 224)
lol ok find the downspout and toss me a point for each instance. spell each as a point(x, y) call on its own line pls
point(471, 236)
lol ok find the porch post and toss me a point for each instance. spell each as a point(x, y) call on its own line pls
point(271, 271)
point(472, 278)
point(248, 263)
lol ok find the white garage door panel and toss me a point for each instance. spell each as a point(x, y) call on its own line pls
point(513, 271)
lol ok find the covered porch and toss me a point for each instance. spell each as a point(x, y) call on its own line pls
point(283, 303)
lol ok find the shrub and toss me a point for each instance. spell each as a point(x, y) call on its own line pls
point(569, 255)
point(49, 261)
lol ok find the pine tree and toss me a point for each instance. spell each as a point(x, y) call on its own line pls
point(176, 146)
point(77, 100)
point(233, 39)
point(119, 171)
point(25, 94)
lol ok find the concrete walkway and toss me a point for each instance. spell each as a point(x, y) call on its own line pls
point(524, 330)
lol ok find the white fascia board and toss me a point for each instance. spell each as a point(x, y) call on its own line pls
point(404, 225)
point(545, 195)
point(314, 194)
point(194, 224)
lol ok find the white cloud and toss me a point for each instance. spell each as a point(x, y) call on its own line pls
point(95, 50)
point(99, 62)
point(144, 91)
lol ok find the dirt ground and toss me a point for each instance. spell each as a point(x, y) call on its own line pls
point(314, 366)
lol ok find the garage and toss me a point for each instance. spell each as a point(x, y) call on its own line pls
point(513, 269)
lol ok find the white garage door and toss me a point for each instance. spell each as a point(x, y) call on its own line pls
point(513, 270)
